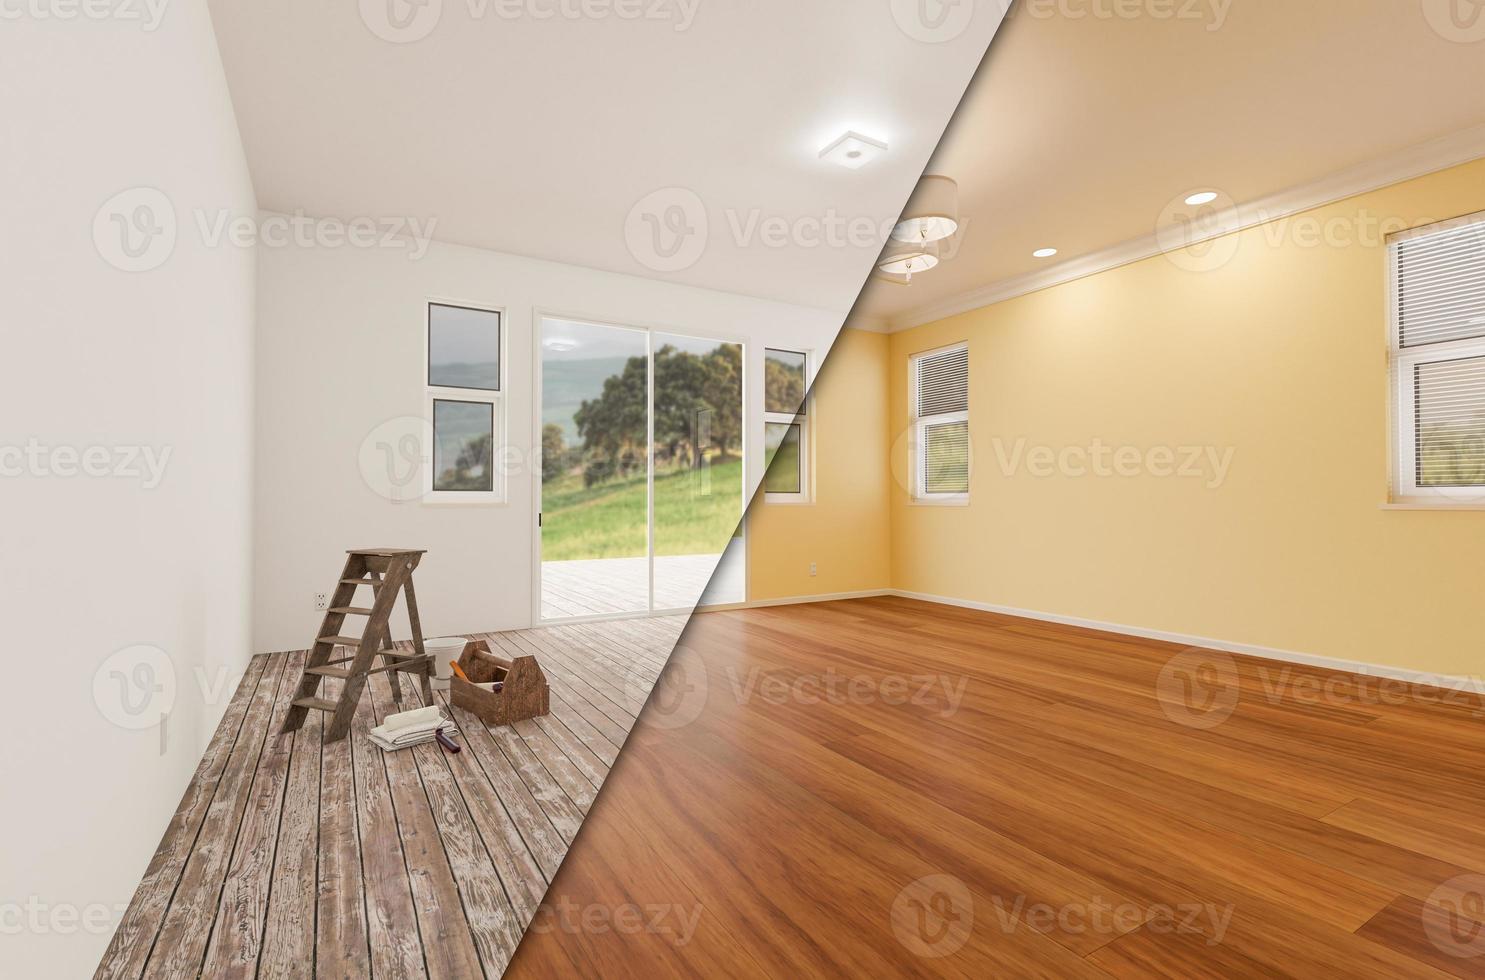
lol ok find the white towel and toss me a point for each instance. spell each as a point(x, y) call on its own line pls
point(391, 741)
point(408, 719)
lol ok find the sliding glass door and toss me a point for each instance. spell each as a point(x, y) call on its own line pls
point(642, 470)
point(595, 498)
point(698, 408)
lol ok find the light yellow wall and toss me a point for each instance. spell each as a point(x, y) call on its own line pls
point(845, 531)
point(1278, 353)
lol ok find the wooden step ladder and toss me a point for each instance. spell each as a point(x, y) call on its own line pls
point(387, 572)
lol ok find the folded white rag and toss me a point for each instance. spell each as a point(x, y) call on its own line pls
point(409, 719)
point(392, 741)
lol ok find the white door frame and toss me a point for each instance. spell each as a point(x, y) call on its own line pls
point(540, 313)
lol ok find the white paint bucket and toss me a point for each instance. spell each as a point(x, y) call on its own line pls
point(443, 649)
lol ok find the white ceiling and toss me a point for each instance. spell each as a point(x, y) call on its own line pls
point(1078, 133)
point(539, 136)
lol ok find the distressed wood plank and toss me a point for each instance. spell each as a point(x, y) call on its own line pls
point(132, 940)
point(188, 923)
point(237, 934)
point(341, 936)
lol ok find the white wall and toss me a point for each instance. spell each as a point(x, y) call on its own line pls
point(96, 357)
point(340, 352)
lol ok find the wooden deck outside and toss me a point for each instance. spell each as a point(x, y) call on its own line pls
point(604, 586)
point(288, 854)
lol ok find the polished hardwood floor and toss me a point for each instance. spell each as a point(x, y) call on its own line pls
point(290, 857)
point(882, 787)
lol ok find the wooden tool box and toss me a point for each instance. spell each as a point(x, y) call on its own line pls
point(523, 693)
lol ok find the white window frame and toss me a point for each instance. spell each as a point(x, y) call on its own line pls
point(495, 399)
point(1402, 362)
point(917, 442)
point(805, 421)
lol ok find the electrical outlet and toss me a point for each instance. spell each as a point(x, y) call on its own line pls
point(322, 600)
point(812, 569)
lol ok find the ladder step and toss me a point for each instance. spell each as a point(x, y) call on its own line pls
point(341, 672)
point(319, 704)
point(352, 610)
point(373, 582)
point(340, 641)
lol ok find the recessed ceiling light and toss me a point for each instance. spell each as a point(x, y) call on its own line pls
point(560, 344)
point(1202, 197)
point(1044, 253)
point(853, 151)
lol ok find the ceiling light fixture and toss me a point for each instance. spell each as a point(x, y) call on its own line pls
point(900, 261)
point(560, 344)
point(1044, 253)
point(853, 151)
point(1201, 197)
point(932, 213)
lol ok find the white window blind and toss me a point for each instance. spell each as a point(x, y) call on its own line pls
point(946, 458)
point(940, 395)
point(1438, 360)
point(943, 382)
point(786, 425)
point(1441, 286)
point(1450, 422)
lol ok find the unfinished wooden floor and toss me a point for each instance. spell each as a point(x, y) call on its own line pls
point(289, 858)
point(1060, 822)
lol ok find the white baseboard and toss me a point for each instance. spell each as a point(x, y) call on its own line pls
point(1446, 681)
point(795, 600)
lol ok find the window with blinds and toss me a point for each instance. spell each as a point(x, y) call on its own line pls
point(940, 445)
point(1438, 361)
point(786, 425)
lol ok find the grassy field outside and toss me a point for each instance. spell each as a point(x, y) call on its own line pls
point(695, 514)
